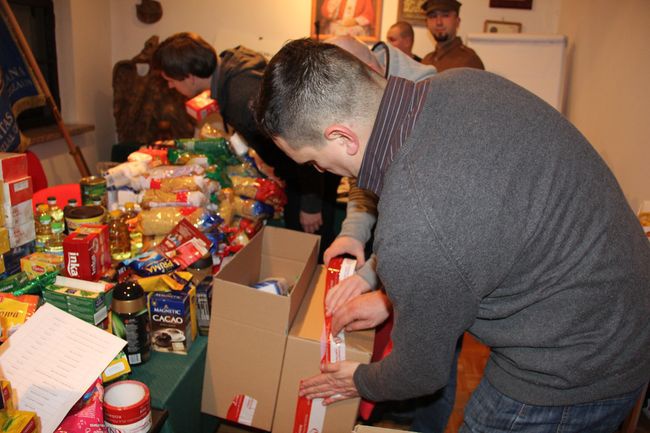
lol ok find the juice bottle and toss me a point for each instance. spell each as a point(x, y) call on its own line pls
point(118, 233)
point(132, 219)
point(55, 244)
point(43, 226)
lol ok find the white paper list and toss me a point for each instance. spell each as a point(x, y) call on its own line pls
point(51, 361)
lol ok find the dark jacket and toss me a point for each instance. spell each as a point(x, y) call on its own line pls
point(236, 84)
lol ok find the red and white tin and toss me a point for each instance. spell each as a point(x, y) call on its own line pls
point(127, 407)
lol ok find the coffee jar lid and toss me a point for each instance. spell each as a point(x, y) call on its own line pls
point(128, 297)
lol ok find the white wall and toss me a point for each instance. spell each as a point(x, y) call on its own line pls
point(265, 25)
point(609, 89)
point(84, 67)
point(543, 18)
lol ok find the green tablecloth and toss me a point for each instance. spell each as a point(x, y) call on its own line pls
point(175, 383)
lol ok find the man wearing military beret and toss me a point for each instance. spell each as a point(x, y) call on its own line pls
point(443, 21)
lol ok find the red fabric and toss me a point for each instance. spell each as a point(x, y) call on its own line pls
point(62, 193)
point(382, 347)
point(35, 170)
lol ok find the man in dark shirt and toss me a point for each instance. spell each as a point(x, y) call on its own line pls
point(443, 21)
point(496, 216)
point(190, 65)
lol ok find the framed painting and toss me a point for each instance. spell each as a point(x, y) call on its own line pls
point(501, 27)
point(513, 4)
point(411, 12)
point(359, 18)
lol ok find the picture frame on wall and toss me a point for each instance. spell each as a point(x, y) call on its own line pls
point(359, 18)
point(512, 4)
point(501, 27)
point(411, 12)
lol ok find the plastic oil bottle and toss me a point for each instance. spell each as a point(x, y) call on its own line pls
point(72, 203)
point(43, 226)
point(118, 233)
point(55, 244)
point(132, 219)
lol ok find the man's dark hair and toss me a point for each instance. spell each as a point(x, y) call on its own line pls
point(405, 29)
point(185, 54)
point(308, 84)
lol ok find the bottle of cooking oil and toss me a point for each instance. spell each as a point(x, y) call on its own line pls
point(118, 233)
point(55, 244)
point(43, 226)
point(97, 202)
point(72, 203)
point(132, 218)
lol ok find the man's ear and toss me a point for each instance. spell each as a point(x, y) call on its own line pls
point(344, 136)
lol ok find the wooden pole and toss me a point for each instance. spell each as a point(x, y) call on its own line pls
point(24, 46)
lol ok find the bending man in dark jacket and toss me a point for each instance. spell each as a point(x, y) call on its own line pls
point(495, 216)
point(190, 65)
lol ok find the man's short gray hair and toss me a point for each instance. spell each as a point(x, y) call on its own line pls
point(309, 85)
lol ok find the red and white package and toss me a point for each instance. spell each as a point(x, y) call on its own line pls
point(310, 414)
point(201, 106)
point(184, 245)
point(82, 256)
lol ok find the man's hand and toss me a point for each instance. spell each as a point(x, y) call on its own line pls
point(311, 222)
point(347, 289)
point(345, 245)
point(363, 312)
point(335, 383)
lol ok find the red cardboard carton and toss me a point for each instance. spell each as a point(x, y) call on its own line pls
point(82, 256)
point(12, 166)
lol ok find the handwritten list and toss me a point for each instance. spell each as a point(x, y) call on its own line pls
point(52, 360)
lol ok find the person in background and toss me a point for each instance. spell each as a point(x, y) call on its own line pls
point(191, 65)
point(442, 21)
point(401, 36)
point(496, 216)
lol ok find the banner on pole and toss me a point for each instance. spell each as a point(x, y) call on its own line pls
point(19, 90)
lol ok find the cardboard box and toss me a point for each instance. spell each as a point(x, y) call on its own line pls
point(18, 214)
point(17, 191)
point(171, 322)
point(21, 234)
point(201, 106)
point(5, 246)
point(12, 166)
point(302, 360)
point(249, 328)
point(371, 429)
point(82, 256)
point(37, 264)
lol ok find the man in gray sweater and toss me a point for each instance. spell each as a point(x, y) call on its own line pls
point(496, 216)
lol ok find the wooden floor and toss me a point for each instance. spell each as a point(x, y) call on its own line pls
point(471, 364)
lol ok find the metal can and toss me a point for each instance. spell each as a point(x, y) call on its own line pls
point(93, 188)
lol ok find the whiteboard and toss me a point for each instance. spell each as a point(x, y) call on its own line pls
point(535, 62)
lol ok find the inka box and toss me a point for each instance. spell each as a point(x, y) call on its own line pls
point(302, 360)
point(249, 328)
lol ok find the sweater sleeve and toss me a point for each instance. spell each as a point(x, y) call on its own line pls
point(433, 301)
point(361, 214)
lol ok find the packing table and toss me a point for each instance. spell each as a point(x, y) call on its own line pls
point(175, 383)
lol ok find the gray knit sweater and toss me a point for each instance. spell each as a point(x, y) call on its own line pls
point(498, 217)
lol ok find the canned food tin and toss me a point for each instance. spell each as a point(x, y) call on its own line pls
point(75, 217)
point(93, 188)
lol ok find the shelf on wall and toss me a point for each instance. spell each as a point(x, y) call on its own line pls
point(52, 132)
